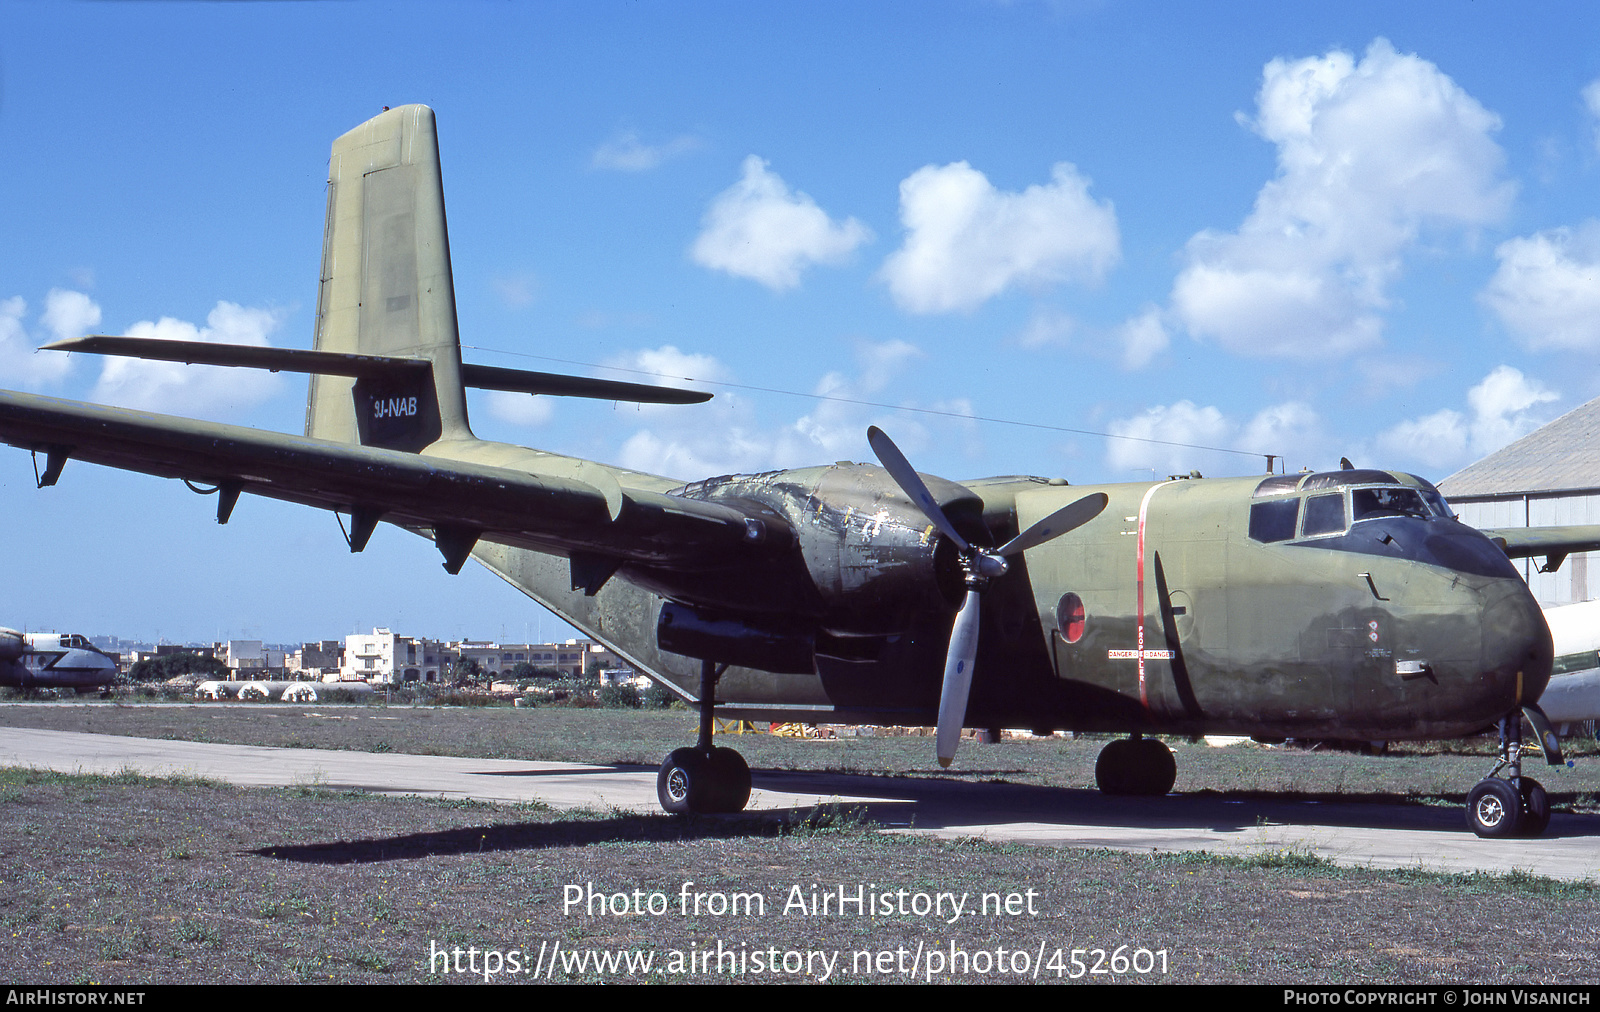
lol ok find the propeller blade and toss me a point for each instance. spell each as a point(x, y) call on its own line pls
point(911, 484)
point(957, 678)
point(1068, 517)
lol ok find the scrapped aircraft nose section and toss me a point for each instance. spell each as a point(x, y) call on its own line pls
point(1517, 653)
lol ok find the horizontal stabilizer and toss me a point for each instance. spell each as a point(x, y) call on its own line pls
point(330, 363)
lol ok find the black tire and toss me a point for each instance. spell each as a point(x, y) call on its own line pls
point(1535, 808)
point(730, 780)
point(1111, 768)
point(1494, 810)
point(1158, 770)
point(684, 784)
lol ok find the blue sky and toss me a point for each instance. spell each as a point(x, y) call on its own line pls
point(1367, 231)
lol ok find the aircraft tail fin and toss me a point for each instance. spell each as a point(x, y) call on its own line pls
point(385, 365)
point(386, 290)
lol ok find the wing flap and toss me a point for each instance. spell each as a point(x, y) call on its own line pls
point(544, 512)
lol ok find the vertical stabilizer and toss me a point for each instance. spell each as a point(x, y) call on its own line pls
point(386, 289)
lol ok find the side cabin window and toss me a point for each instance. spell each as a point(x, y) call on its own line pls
point(1274, 519)
point(1324, 515)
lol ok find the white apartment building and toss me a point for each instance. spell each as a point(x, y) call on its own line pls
point(385, 657)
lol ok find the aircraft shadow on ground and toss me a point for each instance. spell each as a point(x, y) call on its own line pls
point(937, 803)
point(922, 803)
point(621, 828)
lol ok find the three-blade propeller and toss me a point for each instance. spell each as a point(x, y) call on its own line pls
point(980, 565)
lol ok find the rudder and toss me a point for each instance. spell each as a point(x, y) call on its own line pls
point(385, 289)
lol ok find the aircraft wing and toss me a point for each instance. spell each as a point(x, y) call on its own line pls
point(1555, 543)
point(460, 502)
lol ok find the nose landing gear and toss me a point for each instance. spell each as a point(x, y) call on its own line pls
point(1516, 805)
point(704, 779)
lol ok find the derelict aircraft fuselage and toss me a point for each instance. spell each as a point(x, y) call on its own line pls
point(1343, 604)
point(47, 660)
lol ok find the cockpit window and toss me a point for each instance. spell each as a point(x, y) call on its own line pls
point(1324, 515)
point(1436, 503)
point(1371, 503)
point(1344, 479)
point(1278, 484)
point(1274, 519)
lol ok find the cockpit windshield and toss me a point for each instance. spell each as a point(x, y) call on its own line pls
point(1370, 503)
point(1436, 503)
point(1325, 513)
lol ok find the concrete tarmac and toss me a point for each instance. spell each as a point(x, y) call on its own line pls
point(1373, 835)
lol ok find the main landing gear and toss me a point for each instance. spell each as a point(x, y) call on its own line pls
point(705, 778)
point(1136, 765)
point(1513, 806)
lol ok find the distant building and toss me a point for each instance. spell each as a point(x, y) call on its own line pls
point(573, 658)
point(1550, 477)
point(388, 658)
point(316, 661)
point(242, 655)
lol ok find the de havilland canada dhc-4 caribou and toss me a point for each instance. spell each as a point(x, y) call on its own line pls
point(1344, 604)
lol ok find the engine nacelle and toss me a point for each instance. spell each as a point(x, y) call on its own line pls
point(864, 561)
point(785, 647)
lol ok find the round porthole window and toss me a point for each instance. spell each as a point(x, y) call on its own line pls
point(1070, 617)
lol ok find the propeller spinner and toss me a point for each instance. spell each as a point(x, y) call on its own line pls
point(980, 566)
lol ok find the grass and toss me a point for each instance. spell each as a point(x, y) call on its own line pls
point(286, 886)
point(126, 879)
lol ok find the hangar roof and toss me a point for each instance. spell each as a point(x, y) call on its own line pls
point(1561, 456)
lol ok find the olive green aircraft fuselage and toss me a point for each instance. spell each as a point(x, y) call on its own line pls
point(1371, 615)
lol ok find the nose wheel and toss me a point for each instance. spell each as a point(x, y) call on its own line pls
point(1494, 808)
point(1514, 805)
point(704, 779)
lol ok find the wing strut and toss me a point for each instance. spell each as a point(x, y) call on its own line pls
point(55, 458)
point(362, 523)
point(455, 544)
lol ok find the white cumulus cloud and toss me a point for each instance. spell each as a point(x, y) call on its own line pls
point(967, 242)
point(1143, 338)
point(1547, 289)
point(519, 409)
point(759, 229)
point(625, 152)
point(193, 390)
point(1500, 409)
point(67, 314)
point(726, 436)
point(1047, 328)
point(834, 429)
point(1178, 438)
point(1370, 153)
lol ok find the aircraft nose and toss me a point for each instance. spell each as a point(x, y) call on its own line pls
point(1517, 652)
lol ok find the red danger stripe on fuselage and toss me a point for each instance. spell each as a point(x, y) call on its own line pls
point(1141, 654)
